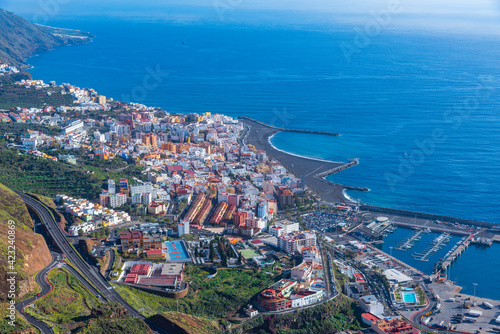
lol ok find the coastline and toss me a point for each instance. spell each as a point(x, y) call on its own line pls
point(298, 155)
point(259, 135)
point(313, 170)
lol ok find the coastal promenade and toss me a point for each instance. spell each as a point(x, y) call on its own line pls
point(258, 134)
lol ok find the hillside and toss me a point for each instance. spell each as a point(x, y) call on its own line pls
point(20, 39)
point(186, 324)
point(114, 319)
point(32, 253)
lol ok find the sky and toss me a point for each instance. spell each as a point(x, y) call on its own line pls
point(479, 16)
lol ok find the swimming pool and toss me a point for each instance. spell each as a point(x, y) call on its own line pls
point(409, 297)
point(176, 251)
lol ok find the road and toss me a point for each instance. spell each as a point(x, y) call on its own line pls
point(41, 279)
point(91, 273)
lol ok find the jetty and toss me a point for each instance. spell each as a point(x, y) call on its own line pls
point(410, 241)
point(453, 254)
point(322, 176)
point(290, 130)
point(434, 246)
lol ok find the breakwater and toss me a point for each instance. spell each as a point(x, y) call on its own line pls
point(428, 216)
point(321, 176)
point(290, 130)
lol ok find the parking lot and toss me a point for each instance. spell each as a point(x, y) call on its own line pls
point(452, 308)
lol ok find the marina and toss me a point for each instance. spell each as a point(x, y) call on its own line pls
point(434, 246)
point(454, 252)
point(410, 241)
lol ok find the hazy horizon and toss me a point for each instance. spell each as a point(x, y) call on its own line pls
point(478, 17)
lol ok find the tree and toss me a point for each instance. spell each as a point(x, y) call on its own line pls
point(212, 252)
point(240, 260)
point(80, 233)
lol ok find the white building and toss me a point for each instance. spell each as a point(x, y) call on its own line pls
point(294, 242)
point(136, 198)
point(183, 228)
point(144, 188)
point(288, 226)
point(72, 127)
point(262, 210)
point(306, 297)
point(370, 304)
point(117, 200)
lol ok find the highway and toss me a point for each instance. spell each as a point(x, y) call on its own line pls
point(91, 273)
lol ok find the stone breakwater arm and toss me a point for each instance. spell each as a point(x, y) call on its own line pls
point(321, 176)
point(290, 130)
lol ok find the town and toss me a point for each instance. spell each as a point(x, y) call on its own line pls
point(202, 201)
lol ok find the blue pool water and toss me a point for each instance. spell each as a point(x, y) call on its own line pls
point(409, 297)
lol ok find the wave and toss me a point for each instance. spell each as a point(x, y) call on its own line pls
point(298, 155)
point(347, 197)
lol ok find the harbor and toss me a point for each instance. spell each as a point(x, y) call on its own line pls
point(410, 241)
point(433, 247)
point(453, 254)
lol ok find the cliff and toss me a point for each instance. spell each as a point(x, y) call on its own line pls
point(21, 39)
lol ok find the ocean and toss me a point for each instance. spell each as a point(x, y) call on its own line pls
point(477, 264)
point(419, 109)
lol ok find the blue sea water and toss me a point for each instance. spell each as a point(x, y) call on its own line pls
point(399, 103)
point(477, 264)
point(419, 109)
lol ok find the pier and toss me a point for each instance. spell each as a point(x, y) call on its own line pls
point(432, 228)
point(290, 130)
point(322, 176)
point(434, 246)
point(410, 241)
point(455, 252)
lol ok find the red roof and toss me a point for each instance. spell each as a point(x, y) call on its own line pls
point(160, 281)
point(140, 267)
point(172, 168)
point(370, 317)
point(130, 278)
point(154, 251)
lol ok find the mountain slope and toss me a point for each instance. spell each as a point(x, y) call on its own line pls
point(31, 251)
point(20, 39)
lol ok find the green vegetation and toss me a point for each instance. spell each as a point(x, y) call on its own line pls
point(13, 208)
point(69, 302)
point(217, 297)
point(185, 323)
point(49, 178)
point(397, 295)
point(248, 253)
point(331, 317)
point(20, 39)
point(26, 245)
point(12, 96)
point(20, 323)
point(22, 128)
point(44, 176)
point(114, 319)
point(420, 295)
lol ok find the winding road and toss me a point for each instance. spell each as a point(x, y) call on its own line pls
point(92, 275)
point(41, 279)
